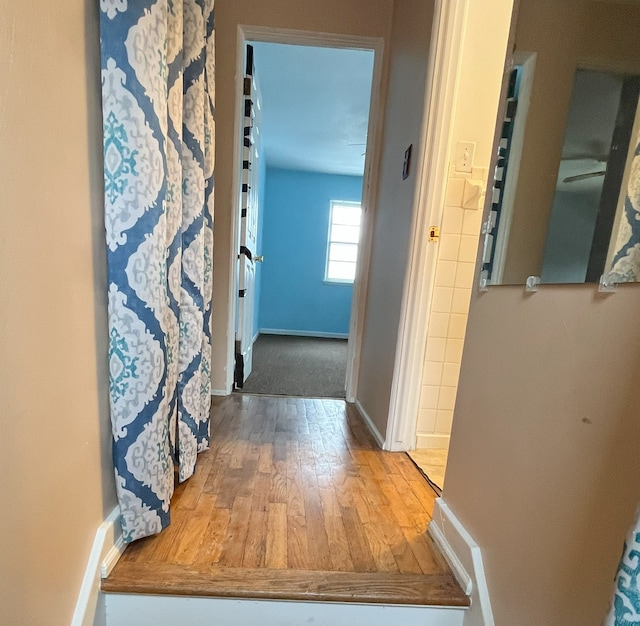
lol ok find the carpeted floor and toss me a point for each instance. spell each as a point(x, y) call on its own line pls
point(309, 367)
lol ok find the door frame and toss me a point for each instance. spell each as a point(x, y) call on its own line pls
point(246, 34)
point(449, 28)
point(445, 56)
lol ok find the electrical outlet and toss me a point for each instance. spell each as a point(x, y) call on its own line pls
point(465, 151)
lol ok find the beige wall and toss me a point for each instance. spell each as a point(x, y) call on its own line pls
point(563, 34)
point(409, 58)
point(543, 465)
point(55, 463)
point(345, 17)
point(480, 70)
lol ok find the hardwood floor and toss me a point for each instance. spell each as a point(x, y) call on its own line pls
point(294, 500)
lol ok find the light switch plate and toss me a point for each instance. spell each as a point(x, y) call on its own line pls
point(465, 151)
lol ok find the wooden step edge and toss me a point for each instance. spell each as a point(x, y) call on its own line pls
point(275, 584)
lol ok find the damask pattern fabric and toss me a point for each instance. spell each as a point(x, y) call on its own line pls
point(626, 261)
point(625, 610)
point(158, 76)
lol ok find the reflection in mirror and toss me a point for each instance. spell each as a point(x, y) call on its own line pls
point(566, 188)
point(594, 154)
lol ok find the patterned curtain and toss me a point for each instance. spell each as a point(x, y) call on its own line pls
point(158, 73)
point(626, 261)
point(625, 610)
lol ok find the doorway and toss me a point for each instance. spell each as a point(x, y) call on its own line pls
point(306, 112)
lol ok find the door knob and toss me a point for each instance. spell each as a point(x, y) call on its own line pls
point(258, 259)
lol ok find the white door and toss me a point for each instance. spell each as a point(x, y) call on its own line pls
point(248, 223)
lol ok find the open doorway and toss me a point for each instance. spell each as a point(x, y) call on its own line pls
point(306, 118)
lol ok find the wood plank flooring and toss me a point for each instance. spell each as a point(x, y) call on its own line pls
point(294, 501)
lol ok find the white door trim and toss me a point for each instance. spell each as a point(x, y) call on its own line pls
point(369, 187)
point(433, 165)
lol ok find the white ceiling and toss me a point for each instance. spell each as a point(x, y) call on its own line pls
point(315, 106)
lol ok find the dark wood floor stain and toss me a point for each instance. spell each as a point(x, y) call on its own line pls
point(294, 501)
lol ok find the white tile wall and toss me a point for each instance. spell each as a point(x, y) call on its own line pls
point(435, 349)
point(464, 276)
point(446, 273)
point(442, 299)
point(432, 374)
point(453, 350)
point(460, 300)
point(449, 246)
point(450, 374)
point(455, 269)
point(439, 324)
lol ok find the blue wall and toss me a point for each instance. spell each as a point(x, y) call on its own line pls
point(293, 294)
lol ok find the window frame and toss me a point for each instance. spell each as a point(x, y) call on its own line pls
point(341, 281)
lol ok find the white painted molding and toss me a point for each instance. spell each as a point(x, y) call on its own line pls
point(432, 441)
point(105, 552)
point(373, 429)
point(465, 558)
point(145, 610)
point(271, 34)
point(247, 33)
point(219, 392)
point(458, 569)
point(370, 181)
point(303, 333)
point(433, 165)
point(112, 556)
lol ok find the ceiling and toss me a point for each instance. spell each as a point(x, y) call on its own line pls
point(315, 106)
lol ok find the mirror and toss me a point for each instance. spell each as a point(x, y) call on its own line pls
point(565, 194)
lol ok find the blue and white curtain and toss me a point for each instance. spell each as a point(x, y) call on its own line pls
point(625, 609)
point(626, 261)
point(158, 75)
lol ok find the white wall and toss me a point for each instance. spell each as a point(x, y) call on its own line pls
point(345, 17)
point(543, 461)
point(57, 477)
point(409, 58)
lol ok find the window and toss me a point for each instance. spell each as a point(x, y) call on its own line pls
point(342, 247)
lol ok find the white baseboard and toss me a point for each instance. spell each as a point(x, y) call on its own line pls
point(105, 552)
point(432, 441)
point(219, 392)
point(141, 610)
point(373, 429)
point(465, 558)
point(112, 556)
point(303, 333)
